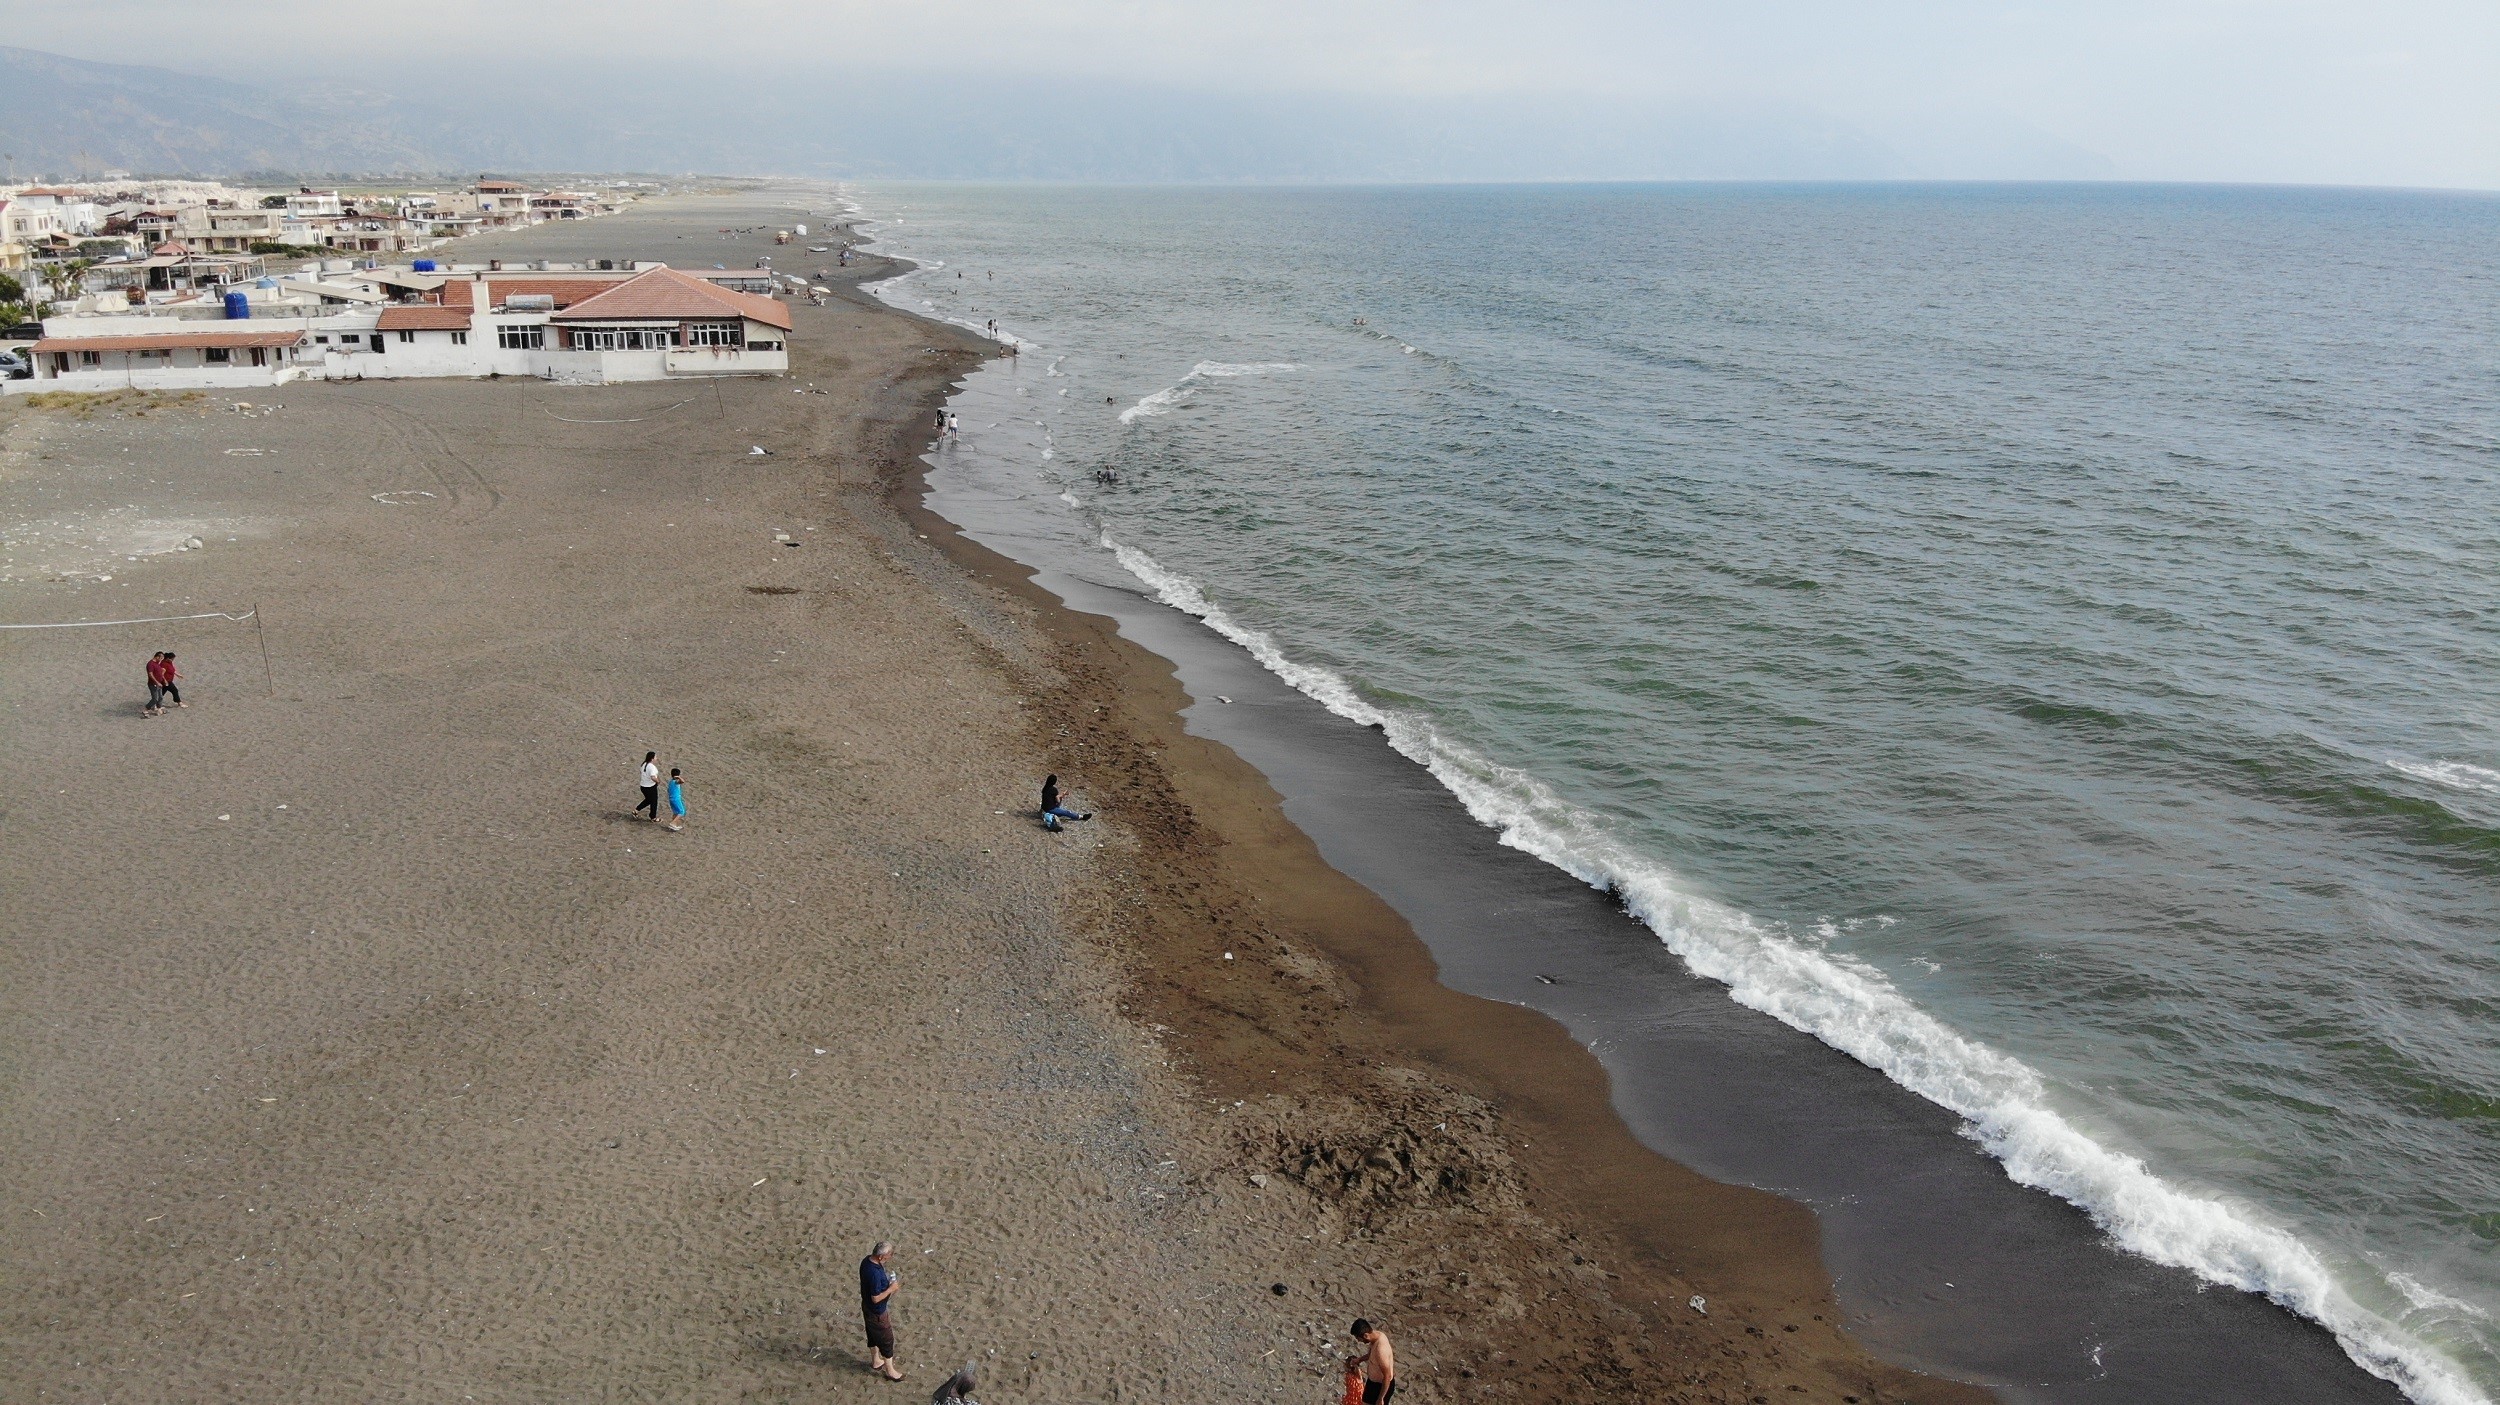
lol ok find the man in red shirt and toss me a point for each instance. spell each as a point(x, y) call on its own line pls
point(157, 683)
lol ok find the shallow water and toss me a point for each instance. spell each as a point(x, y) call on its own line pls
point(2039, 641)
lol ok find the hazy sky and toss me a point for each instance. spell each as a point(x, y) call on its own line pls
point(2383, 92)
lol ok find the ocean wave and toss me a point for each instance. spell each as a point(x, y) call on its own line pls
point(1853, 1007)
point(1172, 396)
point(2456, 775)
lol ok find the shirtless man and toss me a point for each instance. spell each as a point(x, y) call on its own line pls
point(1378, 1363)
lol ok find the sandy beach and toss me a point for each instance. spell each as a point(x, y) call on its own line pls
point(361, 1044)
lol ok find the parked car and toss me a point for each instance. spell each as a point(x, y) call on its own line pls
point(23, 331)
point(15, 367)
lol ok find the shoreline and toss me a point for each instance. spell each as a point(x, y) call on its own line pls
point(2049, 1301)
point(363, 1045)
point(1751, 1256)
point(537, 1069)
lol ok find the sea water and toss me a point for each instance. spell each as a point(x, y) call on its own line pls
point(2042, 641)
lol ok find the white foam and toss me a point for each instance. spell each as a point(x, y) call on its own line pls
point(2456, 775)
point(1164, 401)
point(2428, 1299)
point(1852, 1006)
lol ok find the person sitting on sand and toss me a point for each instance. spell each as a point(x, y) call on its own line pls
point(1378, 1363)
point(1052, 811)
point(876, 1306)
point(957, 1390)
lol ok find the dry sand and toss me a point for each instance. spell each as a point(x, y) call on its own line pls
point(360, 1045)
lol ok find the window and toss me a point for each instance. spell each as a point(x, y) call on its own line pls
point(764, 346)
point(716, 334)
point(624, 338)
point(220, 355)
point(323, 340)
point(529, 338)
point(459, 339)
point(407, 336)
point(90, 358)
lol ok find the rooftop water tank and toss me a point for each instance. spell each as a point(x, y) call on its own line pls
point(423, 265)
point(238, 306)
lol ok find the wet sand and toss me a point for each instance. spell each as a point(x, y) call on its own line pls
point(361, 1044)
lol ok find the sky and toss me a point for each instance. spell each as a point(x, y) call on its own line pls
point(2389, 92)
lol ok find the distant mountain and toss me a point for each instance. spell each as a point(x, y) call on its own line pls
point(70, 118)
point(67, 117)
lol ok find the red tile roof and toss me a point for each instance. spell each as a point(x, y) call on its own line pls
point(565, 291)
point(666, 294)
point(423, 319)
point(169, 341)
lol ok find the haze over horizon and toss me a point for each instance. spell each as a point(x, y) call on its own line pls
point(2291, 91)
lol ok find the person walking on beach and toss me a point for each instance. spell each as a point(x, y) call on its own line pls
point(876, 1306)
point(676, 801)
point(172, 679)
point(1052, 811)
point(1378, 1363)
point(156, 685)
point(649, 779)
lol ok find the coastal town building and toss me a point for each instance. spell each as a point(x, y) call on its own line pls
point(14, 253)
point(571, 325)
point(111, 236)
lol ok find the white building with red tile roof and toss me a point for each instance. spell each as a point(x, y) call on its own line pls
point(575, 326)
point(161, 353)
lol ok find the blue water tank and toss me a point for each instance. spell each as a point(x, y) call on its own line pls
point(238, 306)
point(424, 265)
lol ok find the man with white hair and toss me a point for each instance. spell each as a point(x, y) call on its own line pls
point(876, 1307)
point(957, 1390)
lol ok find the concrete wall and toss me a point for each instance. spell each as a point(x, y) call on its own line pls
point(726, 361)
point(89, 378)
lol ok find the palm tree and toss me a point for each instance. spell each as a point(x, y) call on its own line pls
point(69, 277)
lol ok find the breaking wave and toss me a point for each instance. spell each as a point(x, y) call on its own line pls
point(2455, 775)
point(1850, 1005)
point(1171, 397)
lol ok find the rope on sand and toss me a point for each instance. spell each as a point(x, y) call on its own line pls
point(635, 420)
point(160, 619)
